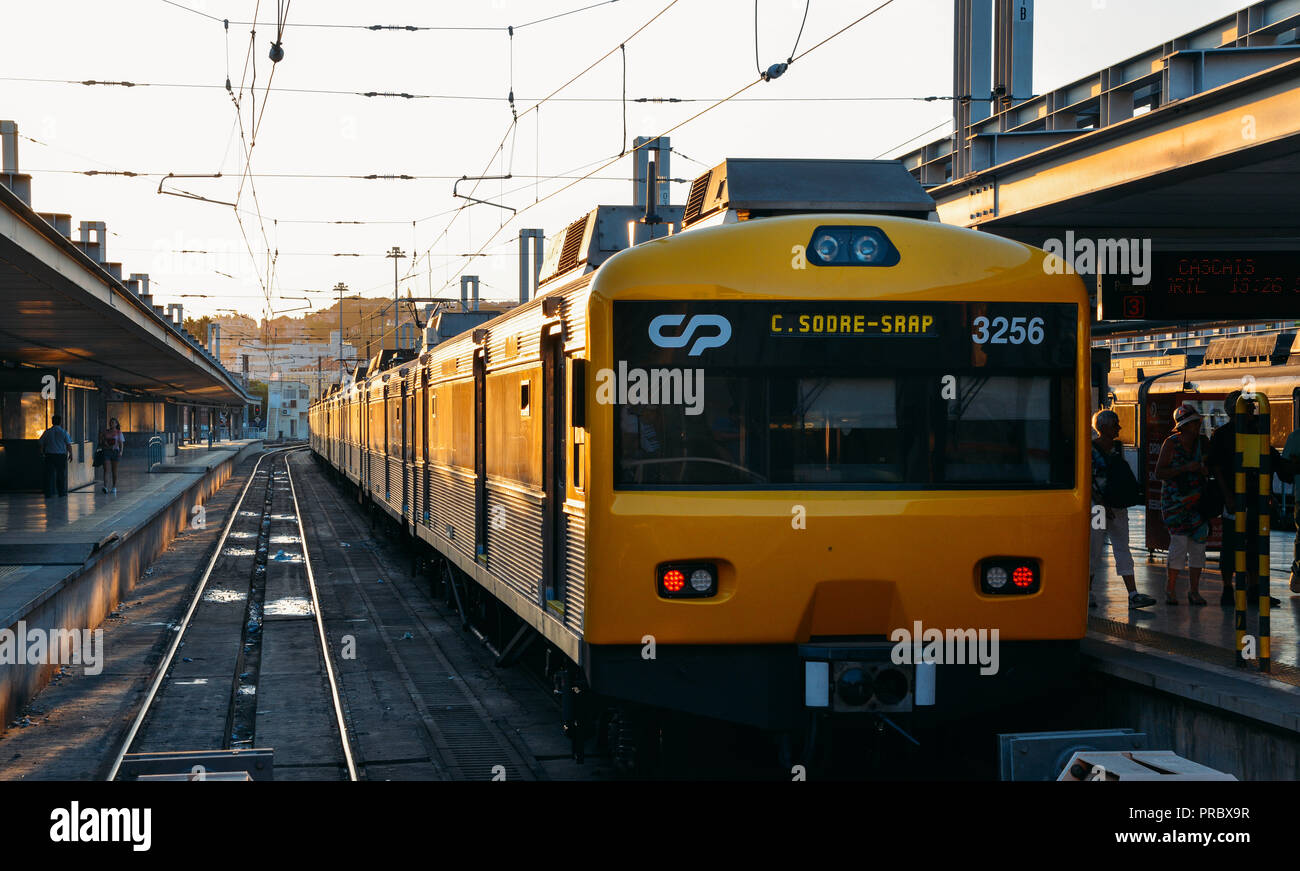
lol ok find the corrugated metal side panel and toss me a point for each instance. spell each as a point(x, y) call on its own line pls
point(460, 351)
point(419, 492)
point(375, 473)
point(573, 310)
point(394, 493)
point(515, 550)
point(526, 328)
point(453, 505)
point(575, 571)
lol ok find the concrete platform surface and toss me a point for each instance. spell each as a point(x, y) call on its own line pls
point(1204, 636)
point(33, 518)
point(67, 561)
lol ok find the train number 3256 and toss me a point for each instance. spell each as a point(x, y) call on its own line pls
point(1001, 331)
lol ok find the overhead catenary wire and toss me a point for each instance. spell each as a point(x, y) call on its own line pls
point(666, 132)
point(533, 108)
point(537, 178)
point(248, 144)
point(410, 28)
point(775, 70)
point(315, 175)
point(623, 147)
point(492, 98)
point(941, 124)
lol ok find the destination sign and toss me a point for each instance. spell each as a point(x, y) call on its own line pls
point(842, 323)
point(861, 335)
point(1207, 285)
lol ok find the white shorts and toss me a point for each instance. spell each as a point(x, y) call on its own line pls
point(1185, 553)
point(1117, 531)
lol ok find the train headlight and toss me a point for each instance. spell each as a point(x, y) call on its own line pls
point(687, 580)
point(851, 246)
point(865, 248)
point(1009, 576)
point(826, 246)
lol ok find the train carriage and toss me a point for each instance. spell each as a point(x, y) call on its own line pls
point(722, 470)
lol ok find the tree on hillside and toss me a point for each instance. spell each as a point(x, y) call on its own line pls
point(198, 328)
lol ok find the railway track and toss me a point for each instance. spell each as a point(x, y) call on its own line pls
point(457, 731)
point(248, 666)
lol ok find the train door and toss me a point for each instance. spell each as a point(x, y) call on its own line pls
point(363, 440)
point(480, 456)
point(408, 444)
point(553, 474)
point(390, 439)
point(420, 466)
point(358, 434)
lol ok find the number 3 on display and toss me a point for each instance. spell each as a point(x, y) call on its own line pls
point(1004, 332)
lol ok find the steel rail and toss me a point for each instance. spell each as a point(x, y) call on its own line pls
point(320, 624)
point(161, 673)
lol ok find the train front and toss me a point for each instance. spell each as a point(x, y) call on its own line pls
point(836, 465)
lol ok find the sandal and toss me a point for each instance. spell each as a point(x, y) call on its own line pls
point(1195, 599)
point(1170, 598)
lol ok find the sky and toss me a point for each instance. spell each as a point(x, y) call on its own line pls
point(698, 50)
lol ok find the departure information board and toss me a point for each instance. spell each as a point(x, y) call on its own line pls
point(1205, 285)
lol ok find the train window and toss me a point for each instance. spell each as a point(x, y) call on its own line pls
point(524, 399)
point(999, 429)
point(578, 392)
point(835, 430)
point(394, 426)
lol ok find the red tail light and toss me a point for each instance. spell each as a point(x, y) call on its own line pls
point(1009, 575)
point(687, 580)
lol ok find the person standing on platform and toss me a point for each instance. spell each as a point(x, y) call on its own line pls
point(1223, 448)
point(1115, 489)
point(56, 447)
point(112, 443)
point(1184, 474)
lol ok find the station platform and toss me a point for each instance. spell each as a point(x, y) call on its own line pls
point(1171, 670)
point(1205, 632)
point(66, 562)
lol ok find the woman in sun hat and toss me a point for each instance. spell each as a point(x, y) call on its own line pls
point(1182, 468)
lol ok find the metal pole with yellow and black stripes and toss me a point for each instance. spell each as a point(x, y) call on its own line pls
point(1252, 453)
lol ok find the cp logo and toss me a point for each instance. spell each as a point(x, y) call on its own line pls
point(657, 336)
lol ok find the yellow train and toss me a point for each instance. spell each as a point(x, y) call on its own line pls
point(747, 469)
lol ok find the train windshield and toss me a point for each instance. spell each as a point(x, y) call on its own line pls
point(843, 411)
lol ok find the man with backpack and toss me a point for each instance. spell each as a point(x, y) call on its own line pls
point(1114, 490)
